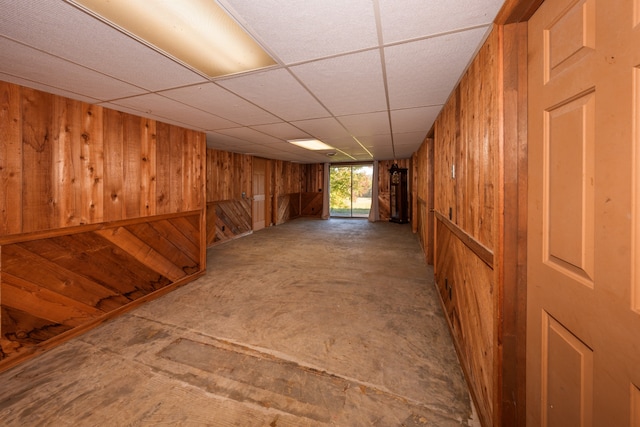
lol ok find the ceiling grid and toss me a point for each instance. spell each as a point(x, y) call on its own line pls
point(367, 77)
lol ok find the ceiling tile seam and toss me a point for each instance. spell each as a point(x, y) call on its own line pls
point(435, 35)
point(172, 100)
point(77, 65)
point(376, 11)
point(80, 95)
point(381, 44)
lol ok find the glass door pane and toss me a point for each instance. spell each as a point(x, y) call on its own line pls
point(350, 190)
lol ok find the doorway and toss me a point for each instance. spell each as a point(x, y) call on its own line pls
point(583, 313)
point(350, 190)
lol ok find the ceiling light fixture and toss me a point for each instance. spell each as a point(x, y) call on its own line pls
point(198, 33)
point(310, 144)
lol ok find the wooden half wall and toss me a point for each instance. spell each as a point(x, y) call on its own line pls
point(474, 170)
point(293, 190)
point(99, 211)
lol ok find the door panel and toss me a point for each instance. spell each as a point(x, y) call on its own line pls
point(583, 317)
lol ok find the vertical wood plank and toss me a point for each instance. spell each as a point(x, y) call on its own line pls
point(148, 168)
point(92, 165)
point(67, 162)
point(37, 134)
point(10, 159)
point(131, 155)
point(114, 197)
point(163, 168)
point(176, 162)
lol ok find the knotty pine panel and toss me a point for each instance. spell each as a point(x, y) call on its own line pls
point(313, 178)
point(467, 144)
point(69, 163)
point(55, 284)
point(10, 159)
point(38, 139)
point(466, 287)
point(228, 175)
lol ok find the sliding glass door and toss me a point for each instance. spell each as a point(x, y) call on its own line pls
point(350, 190)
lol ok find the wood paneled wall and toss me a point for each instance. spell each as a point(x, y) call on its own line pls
point(466, 145)
point(98, 210)
point(477, 234)
point(295, 188)
point(67, 163)
point(423, 197)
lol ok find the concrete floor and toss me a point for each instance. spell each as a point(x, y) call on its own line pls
point(309, 323)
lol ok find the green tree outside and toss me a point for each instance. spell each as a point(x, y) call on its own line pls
point(350, 190)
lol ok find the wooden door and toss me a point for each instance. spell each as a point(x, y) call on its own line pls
point(258, 200)
point(583, 303)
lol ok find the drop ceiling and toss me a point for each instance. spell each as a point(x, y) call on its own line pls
point(367, 77)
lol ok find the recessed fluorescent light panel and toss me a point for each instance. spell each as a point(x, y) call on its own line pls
point(310, 144)
point(198, 33)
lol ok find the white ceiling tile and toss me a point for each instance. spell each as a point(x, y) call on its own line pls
point(46, 88)
point(329, 59)
point(284, 131)
point(299, 31)
point(367, 124)
point(247, 134)
point(279, 92)
point(18, 60)
point(425, 72)
point(210, 97)
point(349, 84)
point(414, 119)
point(382, 153)
point(419, 18)
point(64, 31)
point(382, 140)
point(163, 107)
point(220, 141)
point(405, 151)
point(322, 128)
point(345, 143)
point(409, 138)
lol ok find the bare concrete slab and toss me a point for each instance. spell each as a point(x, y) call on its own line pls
point(309, 323)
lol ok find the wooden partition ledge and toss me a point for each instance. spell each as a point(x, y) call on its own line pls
point(55, 285)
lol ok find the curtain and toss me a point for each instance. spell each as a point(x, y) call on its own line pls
point(374, 213)
point(326, 189)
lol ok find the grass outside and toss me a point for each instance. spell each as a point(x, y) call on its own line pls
point(361, 208)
